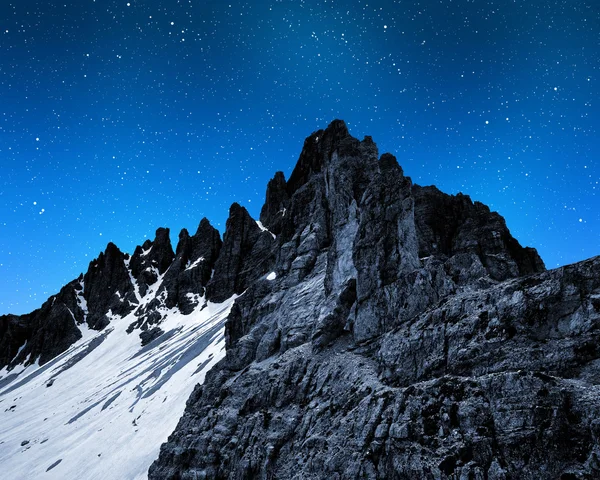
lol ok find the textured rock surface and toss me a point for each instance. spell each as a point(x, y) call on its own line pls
point(455, 226)
point(406, 334)
point(275, 207)
point(152, 282)
point(501, 383)
point(192, 268)
point(105, 290)
point(151, 259)
point(246, 254)
point(44, 333)
point(107, 287)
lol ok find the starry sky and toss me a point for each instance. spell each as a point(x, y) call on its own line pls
point(117, 117)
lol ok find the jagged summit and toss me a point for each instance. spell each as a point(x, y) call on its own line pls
point(319, 206)
point(380, 329)
point(392, 339)
point(316, 152)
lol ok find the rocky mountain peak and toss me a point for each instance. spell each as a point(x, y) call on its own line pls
point(162, 251)
point(152, 259)
point(389, 163)
point(276, 202)
point(317, 150)
point(381, 294)
point(192, 267)
point(247, 253)
point(377, 329)
point(184, 243)
point(107, 287)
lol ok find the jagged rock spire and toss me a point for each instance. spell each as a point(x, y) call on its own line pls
point(276, 203)
point(246, 254)
point(316, 151)
point(191, 270)
point(152, 259)
point(107, 286)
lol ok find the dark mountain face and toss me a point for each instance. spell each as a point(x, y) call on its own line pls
point(406, 334)
point(382, 330)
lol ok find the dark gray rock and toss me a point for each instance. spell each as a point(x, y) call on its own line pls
point(401, 338)
point(454, 226)
point(488, 411)
point(183, 284)
point(151, 260)
point(316, 152)
point(192, 268)
point(15, 330)
point(108, 287)
point(276, 203)
point(385, 253)
point(105, 290)
point(148, 336)
point(246, 254)
point(388, 331)
point(44, 333)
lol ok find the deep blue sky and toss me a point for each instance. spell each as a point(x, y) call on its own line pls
point(117, 117)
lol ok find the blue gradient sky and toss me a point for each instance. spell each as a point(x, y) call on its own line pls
point(117, 117)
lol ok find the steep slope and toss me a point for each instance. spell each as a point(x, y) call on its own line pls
point(101, 409)
point(92, 383)
point(403, 333)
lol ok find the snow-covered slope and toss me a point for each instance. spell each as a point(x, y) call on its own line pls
point(102, 409)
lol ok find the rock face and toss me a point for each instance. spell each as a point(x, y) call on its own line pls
point(107, 287)
point(246, 255)
point(403, 333)
point(454, 226)
point(152, 259)
point(277, 199)
point(192, 268)
point(183, 279)
point(44, 333)
point(105, 290)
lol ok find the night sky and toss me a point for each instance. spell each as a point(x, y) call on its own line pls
point(117, 117)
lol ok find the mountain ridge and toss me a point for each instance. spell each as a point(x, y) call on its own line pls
point(359, 297)
point(154, 257)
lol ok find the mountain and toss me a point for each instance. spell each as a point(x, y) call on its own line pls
point(364, 327)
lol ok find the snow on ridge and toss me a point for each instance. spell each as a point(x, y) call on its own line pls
point(81, 301)
point(136, 287)
point(195, 264)
point(263, 228)
point(102, 409)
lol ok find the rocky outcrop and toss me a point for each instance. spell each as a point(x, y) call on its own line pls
point(95, 298)
point(246, 254)
point(192, 268)
point(455, 227)
point(184, 280)
point(44, 333)
point(151, 283)
point(107, 288)
point(113, 287)
point(15, 330)
point(404, 333)
point(499, 383)
point(276, 202)
point(385, 253)
point(381, 330)
point(151, 260)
